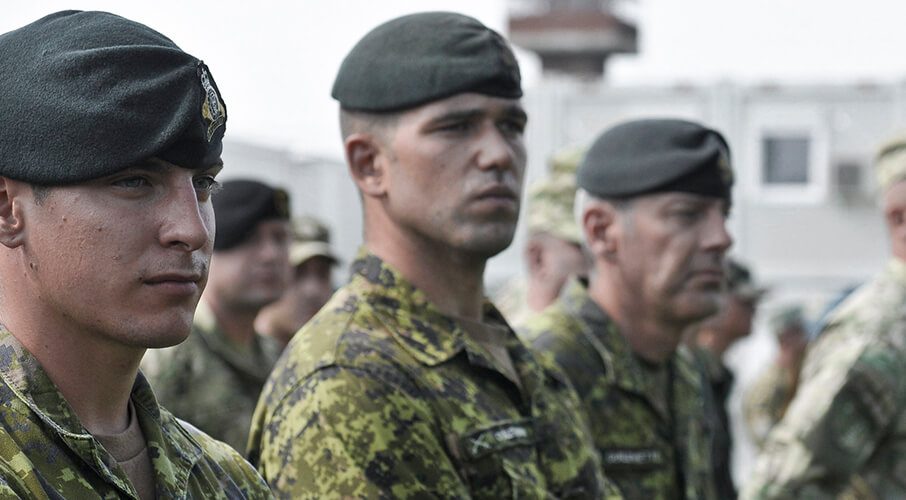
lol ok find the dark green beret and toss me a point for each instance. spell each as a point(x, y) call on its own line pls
point(419, 58)
point(88, 94)
point(240, 205)
point(657, 155)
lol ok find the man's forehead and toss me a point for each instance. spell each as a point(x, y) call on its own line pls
point(468, 102)
point(670, 197)
point(159, 163)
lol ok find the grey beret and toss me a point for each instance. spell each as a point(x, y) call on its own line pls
point(240, 205)
point(87, 94)
point(656, 155)
point(419, 58)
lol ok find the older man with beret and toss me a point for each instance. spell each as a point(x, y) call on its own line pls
point(214, 378)
point(844, 433)
point(408, 383)
point(108, 152)
point(653, 201)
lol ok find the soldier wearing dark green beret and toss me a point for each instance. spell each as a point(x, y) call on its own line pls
point(214, 378)
point(653, 201)
point(110, 144)
point(409, 383)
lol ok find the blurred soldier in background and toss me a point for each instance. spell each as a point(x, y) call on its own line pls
point(214, 378)
point(311, 284)
point(653, 199)
point(708, 341)
point(845, 431)
point(408, 383)
point(110, 142)
point(770, 394)
point(553, 252)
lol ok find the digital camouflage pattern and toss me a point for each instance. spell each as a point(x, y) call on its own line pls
point(45, 453)
point(550, 207)
point(211, 382)
point(383, 396)
point(844, 434)
point(651, 447)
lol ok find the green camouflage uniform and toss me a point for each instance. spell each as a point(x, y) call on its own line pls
point(46, 454)
point(845, 431)
point(382, 396)
point(651, 447)
point(209, 381)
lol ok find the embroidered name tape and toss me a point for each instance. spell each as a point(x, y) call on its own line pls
point(479, 443)
point(622, 458)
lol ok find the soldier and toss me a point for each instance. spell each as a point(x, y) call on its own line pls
point(553, 252)
point(107, 163)
point(653, 200)
point(311, 285)
point(844, 433)
point(768, 397)
point(214, 378)
point(408, 383)
point(708, 341)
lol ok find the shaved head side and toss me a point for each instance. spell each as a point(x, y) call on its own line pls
point(380, 125)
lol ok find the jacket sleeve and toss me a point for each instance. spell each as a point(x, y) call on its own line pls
point(352, 433)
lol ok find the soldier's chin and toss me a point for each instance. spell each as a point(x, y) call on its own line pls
point(699, 307)
point(489, 245)
point(166, 337)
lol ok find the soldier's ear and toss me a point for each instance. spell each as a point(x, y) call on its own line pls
point(12, 221)
point(602, 233)
point(366, 158)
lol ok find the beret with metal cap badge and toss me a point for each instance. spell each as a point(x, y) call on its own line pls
point(657, 155)
point(424, 57)
point(88, 94)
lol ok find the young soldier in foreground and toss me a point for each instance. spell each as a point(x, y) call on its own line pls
point(653, 207)
point(408, 383)
point(111, 142)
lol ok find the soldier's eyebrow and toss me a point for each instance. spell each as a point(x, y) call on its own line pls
point(458, 115)
point(512, 112)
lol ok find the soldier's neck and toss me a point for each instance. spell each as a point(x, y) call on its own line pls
point(648, 337)
point(452, 282)
point(236, 323)
point(94, 375)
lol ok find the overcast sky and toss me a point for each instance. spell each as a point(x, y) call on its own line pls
point(275, 61)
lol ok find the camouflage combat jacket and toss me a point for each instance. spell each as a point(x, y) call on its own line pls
point(766, 400)
point(209, 382)
point(383, 396)
point(45, 453)
point(844, 434)
point(651, 451)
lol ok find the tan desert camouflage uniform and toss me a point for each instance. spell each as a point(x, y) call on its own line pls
point(210, 382)
point(45, 453)
point(844, 434)
point(383, 396)
point(766, 400)
point(652, 435)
